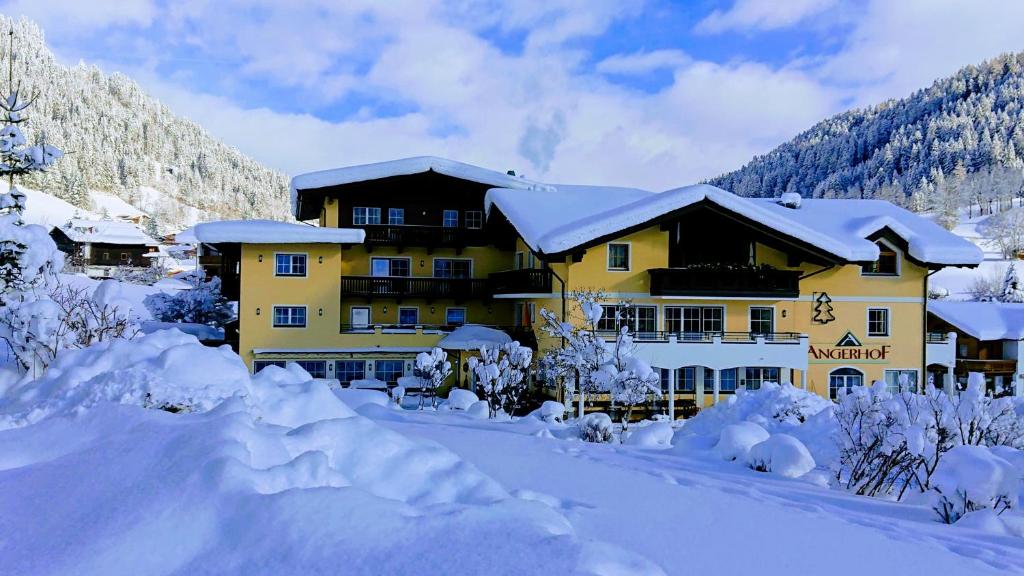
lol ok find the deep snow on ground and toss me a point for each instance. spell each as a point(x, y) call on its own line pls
point(277, 474)
point(956, 282)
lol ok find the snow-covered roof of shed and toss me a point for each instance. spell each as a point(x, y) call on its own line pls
point(838, 227)
point(982, 320)
point(267, 232)
point(472, 337)
point(405, 167)
point(106, 232)
point(115, 207)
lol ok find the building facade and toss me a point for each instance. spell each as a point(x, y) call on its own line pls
point(985, 338)
point(721, 292)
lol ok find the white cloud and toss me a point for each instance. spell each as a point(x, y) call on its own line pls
point(642, 62)
point(70, 17)
point(761, 15)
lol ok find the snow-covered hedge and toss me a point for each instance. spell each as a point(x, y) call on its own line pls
point(595, 427)
point(971, 478)
point(550, 411)
point(461, 399)
point(650, 435)
point(781, 454)
point(737, 439)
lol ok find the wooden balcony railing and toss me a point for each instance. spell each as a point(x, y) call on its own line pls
point(525, 281)
point(415, 287)
point(760, 281)
point(427, 236)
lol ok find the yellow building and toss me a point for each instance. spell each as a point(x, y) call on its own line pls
point(723, 292)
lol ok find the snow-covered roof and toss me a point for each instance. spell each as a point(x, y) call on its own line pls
point(268, 232)
point(115, 207)
point(405, 167)
point(982, 320)
point(106, 232)
point(472, 337)
point(838, 227)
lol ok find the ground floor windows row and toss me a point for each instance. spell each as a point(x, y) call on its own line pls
point(846, 378)
point(385, 370)
point(729, 380)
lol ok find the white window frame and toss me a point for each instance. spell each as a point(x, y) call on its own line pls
point(306, 267)
point(399, 317)
point(444, 217)
point(519, 261)
point(899, 262)
point(863, 379)
point(433, 266)
point(391, 221)
point(750, 319)
point(369, 210)
point(917, 377)
point(888, 322)
point(389, 259)
point(273, 316)
point(608, 256)
point(480, 223)
point(369, 315)
point(465, 315)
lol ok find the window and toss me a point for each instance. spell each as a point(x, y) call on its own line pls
point(531, 261)
point(290, 265)
point(106, 255)
point(348, 370)
point(389, 370)
point(389, 267)
point(687, 378)
point(362, 216)
point(878, 321)
point(408, 316)
point(645, 320)
point(618, 256)
point(898, 380)
point(609, 321)
point(474, 219)
point(316, 368)
point(360, 316)
point(455, 316)
point(727, 380)
point(844, 379)
point(258, 365)
point(452, 268)
point(888, 263)
point(693, 322)
point(762, 320)
point(124, 256)
point(450, 219)
point(517, 264)
point(289, 316)
point(754, 377)
point(396, 216)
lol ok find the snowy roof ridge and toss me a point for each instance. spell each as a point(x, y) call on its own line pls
point(836, 227)
point(268, 232)
point(106, 232)
point(405, 167)
point(982, 320)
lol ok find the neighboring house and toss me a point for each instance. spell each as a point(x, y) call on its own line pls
point(987, 337)
point(99, 247)
point(725, 292)
point(115, 208)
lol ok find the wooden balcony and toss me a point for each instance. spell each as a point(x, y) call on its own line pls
point(398, 288)
point(429, 237)
point(525, 281)
point(992, 366)
point(760, 281)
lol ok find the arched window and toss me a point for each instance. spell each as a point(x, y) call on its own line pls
point(843, 379)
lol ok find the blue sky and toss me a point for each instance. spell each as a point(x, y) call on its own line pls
point(649, 93)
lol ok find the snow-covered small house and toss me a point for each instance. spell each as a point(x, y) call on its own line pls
point(99, 247)
point(983, 337)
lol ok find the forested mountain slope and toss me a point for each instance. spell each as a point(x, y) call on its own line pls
point(122, 141)
point(902, 148)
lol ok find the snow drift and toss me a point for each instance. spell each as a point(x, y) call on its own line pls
point(265, 475)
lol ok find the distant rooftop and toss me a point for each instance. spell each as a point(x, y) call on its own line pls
point(106, 232)
point(982, 320)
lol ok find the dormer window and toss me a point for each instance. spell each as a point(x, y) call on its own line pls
point(888, 263)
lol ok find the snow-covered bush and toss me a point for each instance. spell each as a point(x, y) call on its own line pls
point(480, 410)
point(550, 411)
point(201, 304)
point(433, 368)
point(971, 478)
point(781, 454)
point(501, 373)
point(461, 399)
point(595, 427)
point(397, 394)
point(770, 406)
point(651, 435)
point(737, 439)
point(629, 379)
point(891, 442)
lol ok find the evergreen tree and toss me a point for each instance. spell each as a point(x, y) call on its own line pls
point(1012, 290)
